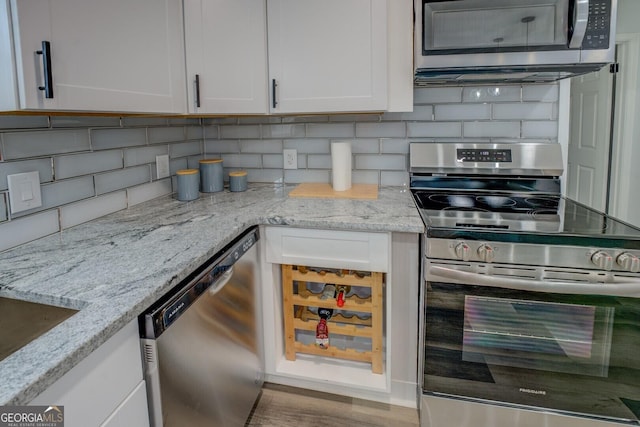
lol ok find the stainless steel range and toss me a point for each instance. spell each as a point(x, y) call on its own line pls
point(531, 301)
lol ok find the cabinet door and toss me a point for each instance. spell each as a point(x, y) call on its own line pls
point(118, 55)
point(226, 48)
point(97, 386)
point(327, 55)
point(132, 412)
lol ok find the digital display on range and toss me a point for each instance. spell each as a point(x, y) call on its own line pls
point(483, 155)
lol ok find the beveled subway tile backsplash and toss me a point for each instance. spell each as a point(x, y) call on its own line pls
point(24, 122)
point(166, 134)
point(446, 112)
point(92, 165)
point(43, 166)
point(122, 178)
point(144, 155)
point(86, 163)
point(21, 145)
point(519, 111)
point(104, 139)
point(30, 228)
point(88, 209)
point(151, 190)
point(3, 208)
point(493, 129)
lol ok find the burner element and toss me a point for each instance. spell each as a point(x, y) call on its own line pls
point(543, 202)
point(496, 201)
point(453, 200)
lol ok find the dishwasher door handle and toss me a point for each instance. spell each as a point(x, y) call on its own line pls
point(220, 282)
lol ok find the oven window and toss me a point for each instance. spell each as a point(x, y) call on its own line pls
point(540, 335)
point(576, 353)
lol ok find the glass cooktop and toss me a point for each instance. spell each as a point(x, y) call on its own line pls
point(454, 213)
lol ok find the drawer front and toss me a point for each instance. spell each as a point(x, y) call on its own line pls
point(328, 248)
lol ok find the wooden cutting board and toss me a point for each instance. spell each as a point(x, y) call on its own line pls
point(325, 191)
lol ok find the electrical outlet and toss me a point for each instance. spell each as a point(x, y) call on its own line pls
point(290, 158)
point(162, 166)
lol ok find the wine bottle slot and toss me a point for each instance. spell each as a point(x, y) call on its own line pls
point(328, 291)
point(322, 330)
point(341, 294)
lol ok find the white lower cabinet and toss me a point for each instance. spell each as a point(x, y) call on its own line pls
point(106, 388)
point(131, 412)
point(396, 256)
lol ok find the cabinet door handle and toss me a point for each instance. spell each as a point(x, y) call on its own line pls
point(46, 68)
point(198, 90)
point(274, 84)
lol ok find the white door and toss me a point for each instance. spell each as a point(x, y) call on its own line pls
point(226, 49)
point(118, 55)
point(589, 138)
point(625, 173)
point(328, 55)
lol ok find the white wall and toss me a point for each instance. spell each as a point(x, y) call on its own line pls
point(627, 205)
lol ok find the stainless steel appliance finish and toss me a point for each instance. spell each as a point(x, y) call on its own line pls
point(522, 40)
point(201, 348)
point(531, 301)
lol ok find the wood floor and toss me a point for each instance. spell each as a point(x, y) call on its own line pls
point(281, 406)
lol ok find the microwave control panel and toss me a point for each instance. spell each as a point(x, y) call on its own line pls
point(598, 26)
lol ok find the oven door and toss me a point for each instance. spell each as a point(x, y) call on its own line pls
point(501, 333)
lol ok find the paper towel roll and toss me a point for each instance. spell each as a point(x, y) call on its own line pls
point(341, 164)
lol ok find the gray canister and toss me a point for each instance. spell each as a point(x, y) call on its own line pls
point(211, 175)
point(238, 181)
point(188, 184)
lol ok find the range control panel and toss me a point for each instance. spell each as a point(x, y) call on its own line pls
point(534, 255)
point(483, 155)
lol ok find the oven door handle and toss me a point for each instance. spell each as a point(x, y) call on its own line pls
point(621, 288)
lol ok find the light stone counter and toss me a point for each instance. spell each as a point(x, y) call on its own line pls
point(113, 268)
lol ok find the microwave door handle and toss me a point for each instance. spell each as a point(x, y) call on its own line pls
point(579, 22)
point(621, 288)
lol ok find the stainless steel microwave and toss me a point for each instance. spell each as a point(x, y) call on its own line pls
point(526, 40)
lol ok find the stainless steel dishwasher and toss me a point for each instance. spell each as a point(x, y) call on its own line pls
point(200, 342)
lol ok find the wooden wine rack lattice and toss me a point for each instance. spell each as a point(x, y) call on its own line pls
point(298, 317)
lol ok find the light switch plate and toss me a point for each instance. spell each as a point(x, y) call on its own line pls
point(290, 158)
point(162, 166)
point(24, 191)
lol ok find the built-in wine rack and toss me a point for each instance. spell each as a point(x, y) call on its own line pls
point(358, 317)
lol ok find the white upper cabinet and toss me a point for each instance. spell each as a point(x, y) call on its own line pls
point(226, 49)
point(241, 56)
point(118, 55)
point(327, 56)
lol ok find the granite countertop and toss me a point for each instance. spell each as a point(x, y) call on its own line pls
point(111, 269)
